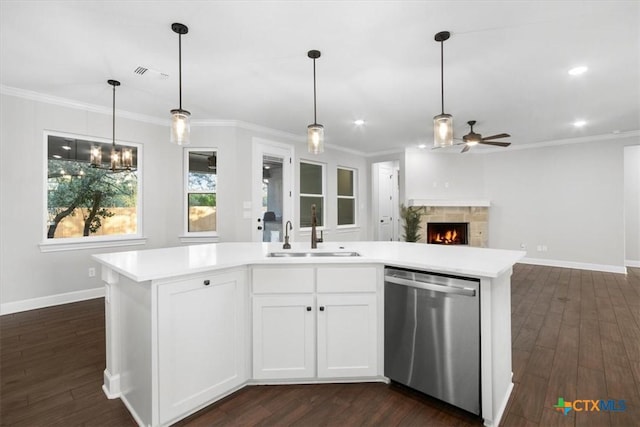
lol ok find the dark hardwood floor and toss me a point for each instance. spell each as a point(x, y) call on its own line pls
point(576, 335)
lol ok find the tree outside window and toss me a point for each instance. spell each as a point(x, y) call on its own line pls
point(83, 201)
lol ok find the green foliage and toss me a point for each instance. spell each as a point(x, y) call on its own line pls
point(202, 199)
point(73, 185)
point(411, 216)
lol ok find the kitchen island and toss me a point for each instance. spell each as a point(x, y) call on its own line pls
point(189, 325)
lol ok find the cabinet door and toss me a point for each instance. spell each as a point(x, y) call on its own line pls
point(347, 335)
point(201, 341)
point(283, 337)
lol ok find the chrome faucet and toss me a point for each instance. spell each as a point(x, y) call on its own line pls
point(287, 227)
point(314, 223)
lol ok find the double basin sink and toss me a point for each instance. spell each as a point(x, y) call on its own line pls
point(285, 254)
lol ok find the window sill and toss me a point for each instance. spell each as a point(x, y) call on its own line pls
point(202, 238)
point(347, 228)
point(93, 243)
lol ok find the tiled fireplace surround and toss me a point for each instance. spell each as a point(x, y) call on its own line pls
point(476, 216)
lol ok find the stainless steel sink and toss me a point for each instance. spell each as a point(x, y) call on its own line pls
point(311, 254)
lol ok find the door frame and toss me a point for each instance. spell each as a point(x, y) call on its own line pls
point(259, 148)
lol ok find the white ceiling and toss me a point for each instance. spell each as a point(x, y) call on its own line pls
point(505, 64)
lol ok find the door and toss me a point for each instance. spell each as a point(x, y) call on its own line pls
point(347, 335)
point(386, 199)
point(271, 190)
point(201, 341)
point(283, 337)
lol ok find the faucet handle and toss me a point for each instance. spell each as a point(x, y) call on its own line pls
point(320, 239)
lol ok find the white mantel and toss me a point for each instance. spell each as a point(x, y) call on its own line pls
point(449, 203)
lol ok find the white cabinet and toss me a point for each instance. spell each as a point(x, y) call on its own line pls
point(283, 336)
point(201, 340)
point(315, 322)
point(347, 335)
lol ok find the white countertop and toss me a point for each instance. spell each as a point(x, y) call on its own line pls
point(162, 263)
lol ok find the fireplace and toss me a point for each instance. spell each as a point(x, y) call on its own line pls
point(448, 233)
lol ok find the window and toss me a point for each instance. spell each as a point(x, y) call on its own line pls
point(88, 203)
point(200, 192)
point(311, 193)
point(346, 197)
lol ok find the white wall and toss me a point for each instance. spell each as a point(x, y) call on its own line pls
point(30, 278)
point(632, 204)
point(25, 272)
point(569, 198)
point(443, 175)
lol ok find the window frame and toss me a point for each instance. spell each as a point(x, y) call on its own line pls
point(323, 195)
point(196, 236)
point(354, 171)
point(90, 242)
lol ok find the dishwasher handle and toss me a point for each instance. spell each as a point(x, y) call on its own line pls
point(431, 287)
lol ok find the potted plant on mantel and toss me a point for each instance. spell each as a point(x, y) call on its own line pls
point(411, 216)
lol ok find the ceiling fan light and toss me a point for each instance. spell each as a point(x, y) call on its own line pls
point(180, 126)
point(442, 130)
point(315, 138)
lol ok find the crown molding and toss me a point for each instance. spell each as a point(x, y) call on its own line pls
point(69, 103)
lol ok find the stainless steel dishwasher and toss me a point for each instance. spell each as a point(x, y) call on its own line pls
point(432, 335)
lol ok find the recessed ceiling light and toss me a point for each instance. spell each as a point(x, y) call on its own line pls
point(358, 122)
point(66, 147)
point(579, 123)
point(422, 146)
point(576, 71)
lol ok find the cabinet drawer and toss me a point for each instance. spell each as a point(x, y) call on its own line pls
point(347, 279)
point(290, 280)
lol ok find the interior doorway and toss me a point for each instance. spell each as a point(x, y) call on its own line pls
point(385, 199)
point(271, 190)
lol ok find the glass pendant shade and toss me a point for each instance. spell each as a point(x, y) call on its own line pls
point(127, 158)
point(96, 156)
point(442, 130)
point(315, 138)
point(180, 126)
point(115, 159)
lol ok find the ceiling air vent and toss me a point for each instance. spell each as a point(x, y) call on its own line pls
point(150, 72)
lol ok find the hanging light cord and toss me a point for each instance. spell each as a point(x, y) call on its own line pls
point(180, 67)
point(442, 74)
point(315, 121)
point(113, 125)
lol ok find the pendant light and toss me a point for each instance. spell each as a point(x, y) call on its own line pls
point(180, 126)
point(315, 131)
point(120, 160)
point(442, 123)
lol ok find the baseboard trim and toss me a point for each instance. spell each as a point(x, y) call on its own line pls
point(50, 300)
point(632, 263)
point(576, 265)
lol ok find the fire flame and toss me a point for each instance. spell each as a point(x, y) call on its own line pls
point(450, 236)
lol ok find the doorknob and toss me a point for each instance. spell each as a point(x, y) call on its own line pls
point(259, 227)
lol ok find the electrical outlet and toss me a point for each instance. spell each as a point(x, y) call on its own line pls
point(539, 248)
point(544, 248)
point(92, 272)
point(523, 246)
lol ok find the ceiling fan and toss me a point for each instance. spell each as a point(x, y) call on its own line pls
point(473, 138)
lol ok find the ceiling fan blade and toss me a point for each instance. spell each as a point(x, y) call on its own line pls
point(500, 135)
point(499, 144)
point(465, 149)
